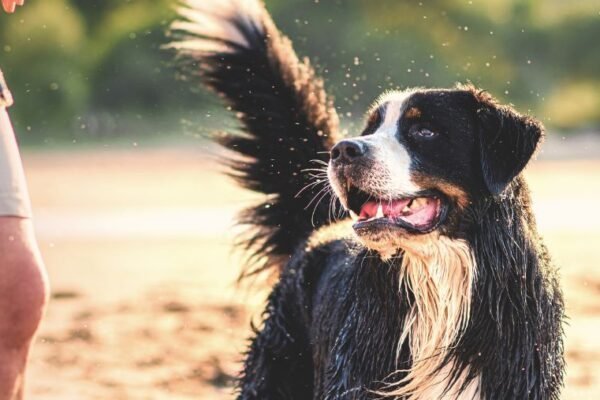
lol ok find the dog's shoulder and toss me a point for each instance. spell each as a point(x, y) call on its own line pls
point(330, 236)
point(325, 246)
point(325, 250)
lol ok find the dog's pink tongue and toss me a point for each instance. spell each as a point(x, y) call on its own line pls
point(368, 210)
point(423, 215)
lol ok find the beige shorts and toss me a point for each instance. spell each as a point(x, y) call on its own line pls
point(14, 198)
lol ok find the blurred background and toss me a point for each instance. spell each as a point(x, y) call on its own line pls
point(135, 218)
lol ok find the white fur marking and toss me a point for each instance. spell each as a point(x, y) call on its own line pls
point(389, 152)
point(439, 272)
point(211, 18)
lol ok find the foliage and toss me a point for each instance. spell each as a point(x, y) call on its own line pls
point(78, 64)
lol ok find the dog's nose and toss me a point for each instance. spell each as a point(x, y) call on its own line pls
point(347, 151)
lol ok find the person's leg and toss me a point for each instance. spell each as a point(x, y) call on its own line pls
point(23, 282)
point(23, 297)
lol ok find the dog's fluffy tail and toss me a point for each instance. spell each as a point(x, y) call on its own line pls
point(287, 120)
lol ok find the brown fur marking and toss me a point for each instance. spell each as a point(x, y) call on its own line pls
point(412, 113)
point(455, 193)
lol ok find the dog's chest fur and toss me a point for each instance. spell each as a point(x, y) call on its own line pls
point(372, 320)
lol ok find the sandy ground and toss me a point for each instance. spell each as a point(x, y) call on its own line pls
point(138, 247)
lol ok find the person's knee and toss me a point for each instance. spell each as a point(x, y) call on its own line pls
point(23, 286)
point(23, 305)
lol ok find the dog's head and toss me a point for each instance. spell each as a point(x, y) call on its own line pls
point(423, 158)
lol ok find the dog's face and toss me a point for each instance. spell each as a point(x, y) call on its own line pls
point(423, 158)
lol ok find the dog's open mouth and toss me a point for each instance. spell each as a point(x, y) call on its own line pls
point(421, 213)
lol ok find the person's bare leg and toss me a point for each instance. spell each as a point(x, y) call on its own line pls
point(23, 297)
point(23, 282)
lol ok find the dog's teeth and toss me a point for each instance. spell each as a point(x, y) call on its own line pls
point(379, 211)
point(353, 215)
point(406, 209)
point(419, 202)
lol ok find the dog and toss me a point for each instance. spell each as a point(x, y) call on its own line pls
point(433, 283)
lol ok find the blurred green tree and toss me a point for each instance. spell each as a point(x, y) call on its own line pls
point(86, 68)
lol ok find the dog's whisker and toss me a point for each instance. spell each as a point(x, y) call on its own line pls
point(314, 197)
point(309, 186)
point(335, 212)
point(331, 211)
point(318, 161)
point(312, 217)
point(314, 169)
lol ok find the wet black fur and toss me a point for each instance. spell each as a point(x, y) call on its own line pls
point(514, 337)
point(288, 124)
point(333, 320)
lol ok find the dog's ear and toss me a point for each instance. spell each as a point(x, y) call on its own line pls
point(507, 140)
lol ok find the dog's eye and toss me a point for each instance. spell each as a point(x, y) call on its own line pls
point(425, 133)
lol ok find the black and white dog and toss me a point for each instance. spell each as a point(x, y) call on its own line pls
point(437, 285)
